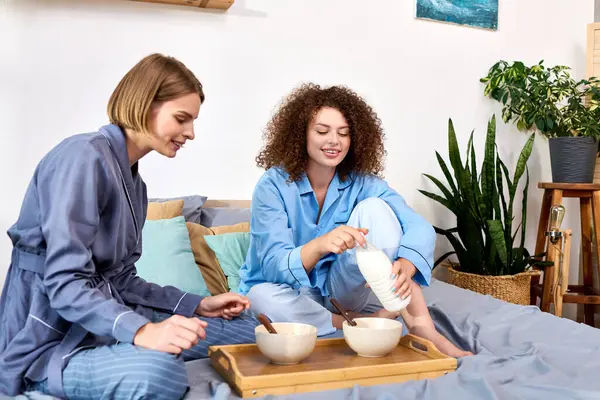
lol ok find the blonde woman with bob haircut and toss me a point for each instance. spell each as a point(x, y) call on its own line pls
point(75, 319)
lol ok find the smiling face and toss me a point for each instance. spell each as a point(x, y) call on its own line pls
point(327, 139)
point(172, 124)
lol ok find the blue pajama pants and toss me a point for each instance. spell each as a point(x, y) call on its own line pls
point(125, 371)
point(345, 282)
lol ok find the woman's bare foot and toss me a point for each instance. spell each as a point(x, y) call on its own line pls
point(426, 331)
point(444, 345)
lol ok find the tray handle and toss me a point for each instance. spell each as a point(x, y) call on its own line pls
point(422, 346)
point(225, 361)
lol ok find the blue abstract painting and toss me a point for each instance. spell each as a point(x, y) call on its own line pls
point(477, 13)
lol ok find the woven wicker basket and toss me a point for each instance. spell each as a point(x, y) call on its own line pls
point(510, 288)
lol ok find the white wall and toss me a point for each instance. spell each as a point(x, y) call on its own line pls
point(60, 60)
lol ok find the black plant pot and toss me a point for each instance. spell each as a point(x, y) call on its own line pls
point(573, 159)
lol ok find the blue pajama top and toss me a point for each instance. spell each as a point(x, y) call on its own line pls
point(283, 219)
point(72, 280)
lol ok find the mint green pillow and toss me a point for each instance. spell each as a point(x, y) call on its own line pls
point(167, 258)
point(231, 250)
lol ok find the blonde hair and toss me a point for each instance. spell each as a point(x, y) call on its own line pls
point(156, 78)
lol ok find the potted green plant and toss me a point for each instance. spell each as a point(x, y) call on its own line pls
point(491, 258)
point(550, 101)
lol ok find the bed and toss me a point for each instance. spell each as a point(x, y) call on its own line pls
point(521, 353)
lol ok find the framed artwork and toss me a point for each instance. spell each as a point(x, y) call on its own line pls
point(476, 13)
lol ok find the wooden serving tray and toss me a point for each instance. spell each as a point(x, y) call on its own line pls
point(332, 365)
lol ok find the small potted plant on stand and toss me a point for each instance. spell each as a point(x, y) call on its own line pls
point(548, 100)
point(490, 260)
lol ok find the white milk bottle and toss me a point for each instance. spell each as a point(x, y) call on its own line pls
point(376, 267)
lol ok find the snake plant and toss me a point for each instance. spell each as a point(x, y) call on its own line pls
point(483, 239)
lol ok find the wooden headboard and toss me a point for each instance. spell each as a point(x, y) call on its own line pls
point(228, 203)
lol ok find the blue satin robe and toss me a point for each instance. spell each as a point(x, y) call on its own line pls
point(72, 280)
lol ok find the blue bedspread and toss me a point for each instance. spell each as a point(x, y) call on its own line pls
point(522, 353)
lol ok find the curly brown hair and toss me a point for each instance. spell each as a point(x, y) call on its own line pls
point(285, 134)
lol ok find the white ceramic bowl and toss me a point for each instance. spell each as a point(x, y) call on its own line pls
point(373, 337)
point(292, 343)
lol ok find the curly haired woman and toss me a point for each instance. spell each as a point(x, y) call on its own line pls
point(320, 194)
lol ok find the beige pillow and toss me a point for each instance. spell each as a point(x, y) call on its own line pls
point(215, 279)
point(166, 210)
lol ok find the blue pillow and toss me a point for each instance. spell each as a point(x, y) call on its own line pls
point(167, 258)
point(191, 206)
point(220, 216)
point(231, 250)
